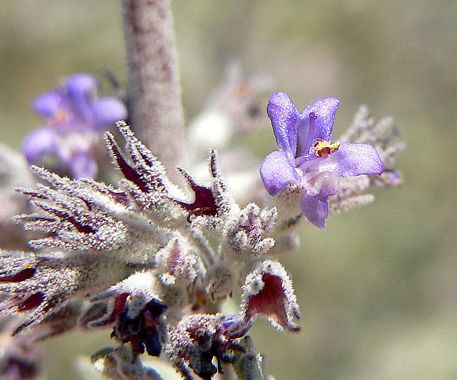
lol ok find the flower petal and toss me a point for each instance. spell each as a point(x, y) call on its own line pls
point(107, 111)
point(268, 292)
point(357, 159)
point(277, 172)
point(321, 113)
point(284, 119)
point(81, 89)
point(314, 202)
point(49, 103)
point(315, 210)
point(40, 142)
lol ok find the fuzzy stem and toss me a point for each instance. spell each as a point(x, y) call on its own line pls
point(229, 373)
point(155, 108)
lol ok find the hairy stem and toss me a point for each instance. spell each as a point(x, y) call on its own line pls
point(228, 374)
point(155, 108)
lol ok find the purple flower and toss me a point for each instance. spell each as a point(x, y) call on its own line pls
point(74, 122)
point(306, 156)
point(142, 329)
point(200, 338)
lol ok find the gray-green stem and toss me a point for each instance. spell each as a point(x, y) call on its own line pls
point(155, 107)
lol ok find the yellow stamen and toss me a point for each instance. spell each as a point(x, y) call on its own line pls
point(323, 148)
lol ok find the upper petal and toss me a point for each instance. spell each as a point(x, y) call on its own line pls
point(277, 172)
point(81, 89)
point(357, 159)
point(321, 116)
point(284, 118)
point(81, 84)
point(107, 111)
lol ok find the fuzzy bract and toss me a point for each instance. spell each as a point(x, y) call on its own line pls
point(200, 338)
point(154, 261)
point(268, 292)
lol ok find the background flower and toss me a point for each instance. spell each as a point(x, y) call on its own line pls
point(74, 120)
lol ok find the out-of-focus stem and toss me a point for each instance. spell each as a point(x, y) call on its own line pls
point(229, 373)
point(155, 108)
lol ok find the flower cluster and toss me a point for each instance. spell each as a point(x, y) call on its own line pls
point(74, 120)
point(153, 261)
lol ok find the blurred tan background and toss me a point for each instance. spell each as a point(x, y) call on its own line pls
point(378, 287)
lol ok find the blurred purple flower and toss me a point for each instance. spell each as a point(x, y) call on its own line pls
point(74, 122)
point(306, 156)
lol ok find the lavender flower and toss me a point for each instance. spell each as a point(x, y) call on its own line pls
point(307, 158)
point(74, 120)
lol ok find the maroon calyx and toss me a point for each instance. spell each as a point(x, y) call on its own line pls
point(127, 170)
point(270, 301)
point(24, 274)
point(32, 302)
point(204, 202)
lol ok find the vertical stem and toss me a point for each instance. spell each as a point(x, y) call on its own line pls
point(155, 108)
point(229, 373)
